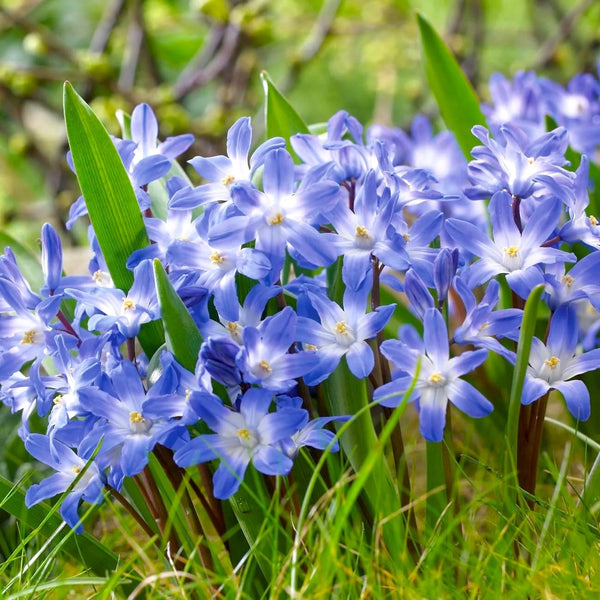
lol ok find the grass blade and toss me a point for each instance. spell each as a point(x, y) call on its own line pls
point(84, 548)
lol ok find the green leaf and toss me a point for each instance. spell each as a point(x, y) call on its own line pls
point(281, 118)
point(111, 202)
point(259, 525)
point(28, 263)
point(516, 390)
point(347, 395)
point(183, 338)
point(456, 98)
point(83, 548)
point(109, 196)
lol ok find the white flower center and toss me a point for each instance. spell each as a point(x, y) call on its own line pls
point(436, 379)
point(137, 423)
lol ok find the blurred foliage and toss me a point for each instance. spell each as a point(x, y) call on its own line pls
point(197, 62)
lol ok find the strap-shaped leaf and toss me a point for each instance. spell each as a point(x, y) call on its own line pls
point(281, 118)
point(454, 94)
point(182, 335)
point(109, 195)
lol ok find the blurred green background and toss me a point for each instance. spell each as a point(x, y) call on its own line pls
point(197, 62)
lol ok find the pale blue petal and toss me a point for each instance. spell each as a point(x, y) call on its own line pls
point(469, 400)
point(270, 461)
point(533, 389)
point(577, 398)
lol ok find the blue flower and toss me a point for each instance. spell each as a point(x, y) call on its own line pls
point(482, 325)
point(580, 227)
point(342, 332)
point(553, 365)
point(518, 254)
point(579, 283)
point(577, 109)
point(112, 308)
point(520, 102)
point(223, 171)
point(251, 435)
point(264, 358)
point(129, 434)
point(68, 466)
point(513, 162)
point(438, 379)
point(281, 215)
point(367, 232)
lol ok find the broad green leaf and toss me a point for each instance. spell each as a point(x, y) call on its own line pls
point(347, 395)
point(182, 335)
point(516, 390)
point(281, 118)
point(107, 190)
point(111, 202)
point(83, 548)
point(456, 98)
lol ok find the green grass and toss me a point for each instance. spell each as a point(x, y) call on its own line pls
point(477, 549)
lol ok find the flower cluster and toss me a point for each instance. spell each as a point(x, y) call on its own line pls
point(281, 265)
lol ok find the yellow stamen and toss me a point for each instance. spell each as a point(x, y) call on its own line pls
point(57, 400)
point(311, 347)
point(513, 251)
point(233, 327)
point(228, 179)
point(531, 160)
point(406, 237)
point(188, 393)
point(593, 221)
point(216, 258)
point(436, 378)
point(265, 366)
point(243, 434)
point(128, 304)
point(136, 417)
point(567, 280)
point(341, 327)
point(277, 219)
point(76, 469)
point(552, 362)
point(28, 337)
point(362, 232)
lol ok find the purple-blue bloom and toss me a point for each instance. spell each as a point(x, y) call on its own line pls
point(265, 358)
point(438, 377)
point(341, 332)
point(513, 162)
point(519, 254)
point(129, 435)
point(281, 215)
point(553, 365)
point(68, 465)
point(251, 435)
